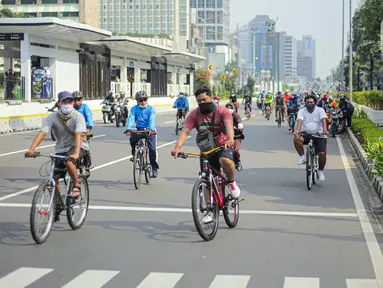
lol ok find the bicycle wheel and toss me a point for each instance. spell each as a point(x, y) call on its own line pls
point(231, 218)
point(81, 203)
point(202, 187)
point(309, 172)
point(42, 210)
point(279, 118)
point(148, 167)
point(247, 114)
point(137, 168)
point(177, 129)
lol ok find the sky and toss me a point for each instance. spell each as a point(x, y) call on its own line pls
point(320, 18)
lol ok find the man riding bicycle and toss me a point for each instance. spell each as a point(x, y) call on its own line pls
point(233, 99)
point(69, 127)
point(182, 105)
point(293, 106)
point(280, 104)
point(247, 100)
point(238, 135)
point(144, 116)
point(222, 130)
point(312, 119)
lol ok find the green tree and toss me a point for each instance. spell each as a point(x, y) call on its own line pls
point(7, 13)
point(202, 78)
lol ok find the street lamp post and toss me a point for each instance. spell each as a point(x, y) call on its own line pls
point(351, 52)
point(342, 68)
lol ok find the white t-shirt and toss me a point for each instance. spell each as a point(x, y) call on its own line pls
point(312, 122)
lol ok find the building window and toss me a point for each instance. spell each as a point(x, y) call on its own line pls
point(49, 14)
point(71, 2)
point(219, 4)
point(219, 33)
point(70, 14)
point(49, 2)
point(210, 17)
point(201, 3)
point(9, 2)
point(210, 34)
point(201, 17)
point(193, 3)
point(219, 17)
point(210, 3)
point(27, 2)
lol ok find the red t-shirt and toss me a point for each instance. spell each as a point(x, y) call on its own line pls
point(203, 121)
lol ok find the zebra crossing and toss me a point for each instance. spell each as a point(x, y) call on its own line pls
point(25, 276)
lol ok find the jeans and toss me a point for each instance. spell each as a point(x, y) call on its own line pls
point(152, 145)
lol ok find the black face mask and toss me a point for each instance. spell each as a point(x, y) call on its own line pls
point(206, 108)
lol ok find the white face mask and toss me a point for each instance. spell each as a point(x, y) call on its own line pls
point(66, 108)
point(231, 111)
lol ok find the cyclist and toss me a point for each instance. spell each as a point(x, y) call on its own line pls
point(312, 119)
point(268, 101)
point(238, 135)
point(247, 100)
point(293, 105)
point(280, 104)
point(216, 99)
point(233, 99)
point(83, 109)
point(223, 133)
point(68, 126)
point(182, 105)
point(144, 116)
point(287, 96)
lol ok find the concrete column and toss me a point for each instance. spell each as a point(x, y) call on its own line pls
point(124, 76)
point(54, 74)
point(25, 59)
point(137, 72)
point(174, 78)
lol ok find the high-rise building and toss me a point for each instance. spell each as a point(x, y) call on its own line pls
point(306, 60)
point(245, 41)
point(84, 11)
point(290, 60)
point(170, 17)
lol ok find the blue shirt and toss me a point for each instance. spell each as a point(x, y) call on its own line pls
point(85, 110)
point(182, 103)
point(293, 103)
point(143, 118)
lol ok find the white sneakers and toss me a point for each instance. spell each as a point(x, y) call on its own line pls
point(321, 175)
point(235, 192)
point(302, 160)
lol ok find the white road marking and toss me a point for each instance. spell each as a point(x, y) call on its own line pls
point(92, 278)
point(230, 281)
point(362, 283)
point(41, 147)
point(163, 280)
point(95, 168)
point(23, 277)
point(372, 243)
point(187, 210)
point(301, 282)
point(169, 122)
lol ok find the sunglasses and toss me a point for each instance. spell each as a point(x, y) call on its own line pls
point(142, 100)
point(78, 99)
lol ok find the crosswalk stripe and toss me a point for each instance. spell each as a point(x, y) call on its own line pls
point(301, 282)
point(362, 283)
point(92, 278)
point(230, 281)
point(163, 280)
point(23, 277)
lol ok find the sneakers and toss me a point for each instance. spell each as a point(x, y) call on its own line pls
point(321, 175)
point(235, 191)
point(207, 219)
point(302, 160)
point(154, 174)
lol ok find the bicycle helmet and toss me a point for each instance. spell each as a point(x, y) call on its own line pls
point(77, 95)
point(342, 97)
point(141, 95)
point(229, 104)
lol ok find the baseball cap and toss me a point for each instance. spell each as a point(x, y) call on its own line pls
point(65, 95)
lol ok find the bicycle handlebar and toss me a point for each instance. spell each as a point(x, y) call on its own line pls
point(185, 155)
point(316, 134)
point(38, 154)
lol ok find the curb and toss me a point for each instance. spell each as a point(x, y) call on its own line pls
point(377, 182)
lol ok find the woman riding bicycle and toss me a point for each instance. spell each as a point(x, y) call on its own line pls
point(238, 135)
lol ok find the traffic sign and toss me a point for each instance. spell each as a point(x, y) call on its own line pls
point(223, 77)
point(210, 67)
point(234, 71)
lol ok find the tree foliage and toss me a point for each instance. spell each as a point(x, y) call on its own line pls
point(202, 78)
point(8, 13)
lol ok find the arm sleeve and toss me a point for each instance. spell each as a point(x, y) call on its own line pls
point(152, 119)
point(300, 115)
point(132, 118)
point(322, 114)
point(190, 121)
point(176, 102)
point(226, 116)
point(48, 123)
point(80, 123)
point(88, 117)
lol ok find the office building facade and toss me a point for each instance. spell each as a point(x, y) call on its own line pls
point(170, 17)
point(290, 60)
point(84, 11)
point(307, 53)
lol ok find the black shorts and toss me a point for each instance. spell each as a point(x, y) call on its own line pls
point(320, 144)
point(180, 112)
point(60, 164)
point(214, 159)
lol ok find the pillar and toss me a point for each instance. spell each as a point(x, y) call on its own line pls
point(25, 59)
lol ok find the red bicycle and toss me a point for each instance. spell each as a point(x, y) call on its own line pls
point(214, 193)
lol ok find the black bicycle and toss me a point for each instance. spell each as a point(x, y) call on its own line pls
point(279, 116)
point(312, 165)
point(141, 162)
point(55, 202)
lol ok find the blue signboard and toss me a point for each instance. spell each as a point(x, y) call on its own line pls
point(41, 82)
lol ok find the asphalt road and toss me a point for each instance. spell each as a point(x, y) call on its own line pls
point(287, 236)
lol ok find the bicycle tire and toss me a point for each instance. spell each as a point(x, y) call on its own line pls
point(226, 215)
point(177, 127)
point(195, 208)
point(279, 119)
point(118, 120)
point(308, 172)
point(137, 178)
point(32, 217)
point(148, 168)
point(76, 226)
